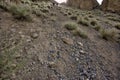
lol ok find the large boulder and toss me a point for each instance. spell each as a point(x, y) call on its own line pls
point(83, 4)
point(111, 5)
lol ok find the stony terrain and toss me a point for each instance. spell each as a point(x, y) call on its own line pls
point(44, 49)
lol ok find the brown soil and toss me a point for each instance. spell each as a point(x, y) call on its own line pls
point(39, 53)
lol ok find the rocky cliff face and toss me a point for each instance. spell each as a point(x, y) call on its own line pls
point(83, 4)
point(111, 5)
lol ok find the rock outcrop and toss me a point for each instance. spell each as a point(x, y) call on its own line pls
point(83, 4)
point(111, 5)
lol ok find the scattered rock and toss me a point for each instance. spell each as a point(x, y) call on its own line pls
point(22, 36)
point(67, 41)
point(17, 55)
point(13, 75)
point(29, 40)
point(83, 4)
point(13, 30)
point(77, 59)
point(13, 65)
point(79, 43)
point(73, 17)
point(111, 5)
point(52, 65)
point(34, 35)
point(83, 52)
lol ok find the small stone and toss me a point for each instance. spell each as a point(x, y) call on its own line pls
point(28, 40)
point(22, 36)
point(77, 59)
point(17, 56)
point(34, 35)
point(52, 65)
point(79, 43)
point(20, 32)
point(87, 79)
point(13, 65)
point(13, 30)
point(67, 41)
point(14, 75)
point(83, 52)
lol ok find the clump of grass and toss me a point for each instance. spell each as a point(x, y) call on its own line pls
point(83, 22)
point(114, 19)
point(53, 14)
point(65, 14)
point(91, 16)
point(40, 14)
point(45, 10)
point(73, 17)
point(108, 34)
point(7, 63)
point(97, 28)
point(69, 13)
point(80, 33)
point(3, 6)
point(70, 25)
point(117, 26)
point(93, 23)
point(20, 12)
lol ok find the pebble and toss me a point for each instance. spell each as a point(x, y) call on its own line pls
point(67, 41)
point(13, 65)
point(28, 40)
point(83, 52)
point(34, 35)
point(52, 65)
point(13, 30)
point(79, 43)
point(17, 56)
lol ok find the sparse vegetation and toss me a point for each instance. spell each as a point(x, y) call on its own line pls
point(117, 26)
point(114, 19)
point(97, 28)
point(20, 12)
point(93, 23)
point(108, 34)
point(73, 17)
point(83, 22)
point(61, 43)
point(7, 65)
point(3, 6)
point(45, 10)
point(70, 25)
point(80, 33)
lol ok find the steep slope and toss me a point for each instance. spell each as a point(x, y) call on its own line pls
point(44, 49)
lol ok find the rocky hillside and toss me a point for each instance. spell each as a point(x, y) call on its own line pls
point(83, 4)
point(111, 5)
point(42, 41)
point(107, 5)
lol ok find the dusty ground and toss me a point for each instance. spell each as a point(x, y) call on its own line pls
point(37, 50)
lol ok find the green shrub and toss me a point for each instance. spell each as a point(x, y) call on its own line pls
point(3, 6)
point(73, 17)
point(114, 19)
point(109, 34)
point(20, 12)
point(80, 33)
point(97, 28)
point(84, 22)
point(93, 23)
point(117, 26)
point(70, 25)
